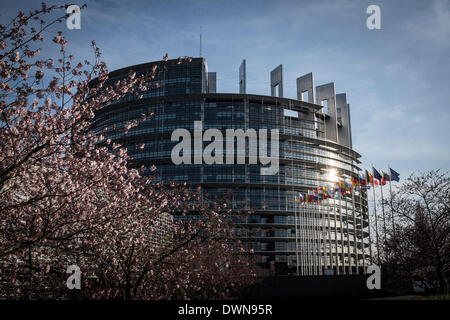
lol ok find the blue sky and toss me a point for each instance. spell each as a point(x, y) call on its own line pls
point(397, 79)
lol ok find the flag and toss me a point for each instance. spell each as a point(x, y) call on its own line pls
point(376, 176)
point(369, 177)
point(385, 176)
point(362, 178)
point(342, 184)
point(336, 187)
point(395, 176)
point(348, 183)
point(347, 186)
point(316, 194)
point(331, 190)
point(320, 192)
point(310, 196)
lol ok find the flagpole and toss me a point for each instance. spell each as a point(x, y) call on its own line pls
point(310, 245)
point(314, 221)
point(376, 219)
point(361, 208)
point(320, 227)
point(335, 233)
point(302, 237)
point(329, 235)
point(295, 207)
point(392, 211)
point(308, 269)
point(314, 238)
point(308, 238)
point(328, 215)
point(368, 229)
point(303, 225)
point(342, 234)
point(307, 232)
point(306, 222)
point(316, 262)
point(296, 234)
point(324, 242)
point(319, 247)
point(392, 218)
point(382, 209)
point(328, 211)
point(349, 264)
point(316, 218)
point(315, 227)
point(299, 223)
point(355, 242)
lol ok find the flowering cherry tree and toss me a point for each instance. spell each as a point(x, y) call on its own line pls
point(67, 195)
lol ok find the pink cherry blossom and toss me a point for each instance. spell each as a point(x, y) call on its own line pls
point(69, 196)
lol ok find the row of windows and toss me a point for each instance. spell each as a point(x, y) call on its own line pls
point(172, 79)
point(213, 111)
point(301, 233)
point(233, 173)
point(302, 219)
point(282, 200)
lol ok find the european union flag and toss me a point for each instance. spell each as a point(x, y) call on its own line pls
point(395, 176)
point(376, 174)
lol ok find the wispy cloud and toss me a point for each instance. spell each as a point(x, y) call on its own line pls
point(396, 78)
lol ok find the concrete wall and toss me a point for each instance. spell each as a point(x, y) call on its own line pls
point(344, 131)
point(306, 83)
point(212, 76)
point(276, 79)
point(328, 92)
point(242, 78)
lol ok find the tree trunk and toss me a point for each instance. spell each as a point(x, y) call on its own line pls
point(442, 284)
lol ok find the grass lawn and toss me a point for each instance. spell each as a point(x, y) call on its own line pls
point(434, 297)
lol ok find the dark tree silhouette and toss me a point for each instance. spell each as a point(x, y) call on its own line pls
point(418, 242)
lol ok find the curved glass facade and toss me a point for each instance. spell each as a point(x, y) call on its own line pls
point(332, 235)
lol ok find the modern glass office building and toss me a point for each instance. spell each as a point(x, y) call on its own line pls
point(315, 147)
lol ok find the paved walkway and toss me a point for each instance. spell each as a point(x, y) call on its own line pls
point(398, 298)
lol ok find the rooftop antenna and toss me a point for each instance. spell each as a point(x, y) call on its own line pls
point(200, 41)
